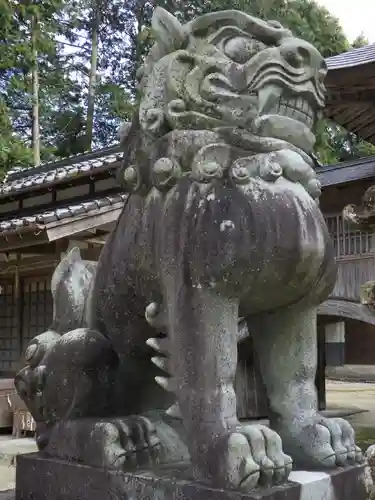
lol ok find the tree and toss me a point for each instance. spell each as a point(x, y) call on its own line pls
point(97, 31)
point(360, 41)
point(13, 151)
point(85, 55)
point(32, 77)
point(35, 128)
point(96, 12)
point(305, 18)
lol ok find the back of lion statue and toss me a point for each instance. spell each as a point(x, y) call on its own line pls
point(222, 221)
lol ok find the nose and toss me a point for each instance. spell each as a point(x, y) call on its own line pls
point(299, 53)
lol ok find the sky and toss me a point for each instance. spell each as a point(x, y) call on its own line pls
point(355, 16)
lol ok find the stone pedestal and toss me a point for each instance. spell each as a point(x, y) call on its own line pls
point(40, 478)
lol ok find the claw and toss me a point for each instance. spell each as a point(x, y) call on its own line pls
point(160, 363)
point(152, 310)
point(154, 344)
point(359, 456)
point(174, 411)
point(165, 383)
point(251, 476)
point(155, 316)
point(158, 344)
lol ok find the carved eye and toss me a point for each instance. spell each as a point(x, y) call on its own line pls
point(241, 49)
point(294, 58)
point(275, 24)
point(30, 352)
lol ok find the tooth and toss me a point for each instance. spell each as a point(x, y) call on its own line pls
point(268, 98)
point(174, 411)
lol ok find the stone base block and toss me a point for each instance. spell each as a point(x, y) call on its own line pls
point(41, 478)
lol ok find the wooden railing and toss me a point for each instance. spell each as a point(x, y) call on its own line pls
point(355, 256)
point(348, 242)
point(353, 272)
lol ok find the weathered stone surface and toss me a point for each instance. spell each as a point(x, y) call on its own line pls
point(221, 222)
point(43, 479)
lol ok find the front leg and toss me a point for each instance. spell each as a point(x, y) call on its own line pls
point(286, 344)
point(203, 335)
point(203, 332)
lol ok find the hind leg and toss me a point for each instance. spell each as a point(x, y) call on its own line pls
point(286, 344)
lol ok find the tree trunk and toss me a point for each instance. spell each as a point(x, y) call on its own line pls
point(35, 134)
point(92, 75)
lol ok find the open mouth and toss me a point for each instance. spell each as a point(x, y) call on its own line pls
point(296, 108)
point(286, 116)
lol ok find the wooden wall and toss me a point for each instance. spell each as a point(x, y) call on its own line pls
point(25, 311)
point(335, 198)
point(354, 250)
point(351, 274)
point(359, 343)
point(251, 394)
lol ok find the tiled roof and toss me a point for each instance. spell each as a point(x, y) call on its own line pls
point(37, 221)
point(355, 57)
point(25, 179)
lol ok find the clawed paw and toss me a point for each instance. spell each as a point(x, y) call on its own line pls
point(326, 442)
point(250, 457)
point(130, 442)
point(342, 442)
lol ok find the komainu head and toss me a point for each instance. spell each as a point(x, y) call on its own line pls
point(225, 95)
point(231, 69)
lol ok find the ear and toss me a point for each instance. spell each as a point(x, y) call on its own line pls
point(63, 269)
point(73, 255)
point(168, 31)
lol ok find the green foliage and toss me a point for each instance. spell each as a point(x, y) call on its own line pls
point(18, 38)
point(64, 48)
point(305, 18)
point(360, 41)
point(12, 150)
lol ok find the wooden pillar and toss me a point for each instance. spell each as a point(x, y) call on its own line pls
point(320, 379)
point(251, 394)
point(252, 402)
point(335, 343)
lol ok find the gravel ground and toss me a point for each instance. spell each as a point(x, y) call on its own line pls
point(7, 479)
point(7, 495)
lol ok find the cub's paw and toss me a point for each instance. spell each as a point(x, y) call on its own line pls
point(131, 442)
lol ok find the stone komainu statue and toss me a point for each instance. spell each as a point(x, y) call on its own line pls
point(221, 222)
